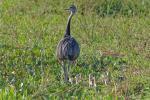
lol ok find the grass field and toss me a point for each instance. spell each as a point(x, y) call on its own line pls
point(114, 37)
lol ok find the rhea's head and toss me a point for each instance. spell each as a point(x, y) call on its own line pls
point(72, 9)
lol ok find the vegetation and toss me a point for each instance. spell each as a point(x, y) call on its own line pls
point(114, 37)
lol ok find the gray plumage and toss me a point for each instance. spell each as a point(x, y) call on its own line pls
point(68, 48)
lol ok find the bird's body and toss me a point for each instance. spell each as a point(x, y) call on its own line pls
point(68, 48)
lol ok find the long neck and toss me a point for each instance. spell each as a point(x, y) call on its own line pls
point(67, 33)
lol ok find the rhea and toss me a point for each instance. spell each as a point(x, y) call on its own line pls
point(68, 48)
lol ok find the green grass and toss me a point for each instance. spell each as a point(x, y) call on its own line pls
point(114, 36)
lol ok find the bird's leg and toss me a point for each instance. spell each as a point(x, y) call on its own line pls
point(65, 72)
point(69, 63)
point(62, 71)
